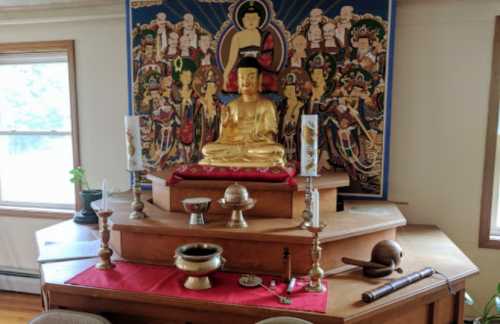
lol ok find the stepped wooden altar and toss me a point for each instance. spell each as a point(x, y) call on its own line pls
point(260, 247)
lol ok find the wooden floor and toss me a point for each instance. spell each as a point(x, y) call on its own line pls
point(16, 308)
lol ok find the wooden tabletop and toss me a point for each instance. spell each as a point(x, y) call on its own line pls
point(423, 246)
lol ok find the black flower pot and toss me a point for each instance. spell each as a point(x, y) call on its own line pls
point(87, 215)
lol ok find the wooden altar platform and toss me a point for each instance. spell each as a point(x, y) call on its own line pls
point(427, 301)
point(274, 199)
point(260, 247)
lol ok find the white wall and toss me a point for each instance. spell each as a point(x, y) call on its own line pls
point(441, 88)
point(101, 72)
point(99, 34)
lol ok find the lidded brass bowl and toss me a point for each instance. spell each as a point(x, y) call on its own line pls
point(236, 197)
point(236, 194)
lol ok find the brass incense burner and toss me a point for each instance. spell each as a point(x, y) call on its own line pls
point(236, 197)
point(198, 261)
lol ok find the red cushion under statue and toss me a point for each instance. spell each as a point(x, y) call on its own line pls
point(209, 172)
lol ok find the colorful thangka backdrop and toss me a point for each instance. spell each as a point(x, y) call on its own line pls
point(325, 57)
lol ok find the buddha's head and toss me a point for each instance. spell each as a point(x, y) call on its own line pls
point(249, 76)
point(251, 20)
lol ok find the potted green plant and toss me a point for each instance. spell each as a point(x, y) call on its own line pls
point(490, 314)
point(86, 215)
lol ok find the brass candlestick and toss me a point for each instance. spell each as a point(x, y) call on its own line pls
point(105, 252)
point(137, 204)
point(316, 273)
point(307, 213)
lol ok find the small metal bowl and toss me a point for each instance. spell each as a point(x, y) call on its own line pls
point(197, 207)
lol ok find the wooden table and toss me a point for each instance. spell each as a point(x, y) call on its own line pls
point(428, 301)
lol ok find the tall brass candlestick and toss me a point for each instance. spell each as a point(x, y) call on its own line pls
point(105, 252)
point(137, 204)
point(316, 274)
point(307, 214)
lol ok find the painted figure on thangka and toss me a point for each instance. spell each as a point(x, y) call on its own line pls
point(329, 60)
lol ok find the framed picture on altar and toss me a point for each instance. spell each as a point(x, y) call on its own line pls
point(329, 58)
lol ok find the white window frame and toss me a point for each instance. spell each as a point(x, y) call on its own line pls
point(46, 52)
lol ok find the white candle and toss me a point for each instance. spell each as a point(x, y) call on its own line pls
point(104, 201)
point(315, 209)
point(133, 142)
point(309, 146)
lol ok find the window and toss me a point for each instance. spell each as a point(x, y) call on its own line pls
point(38, 137)
point(489, 229)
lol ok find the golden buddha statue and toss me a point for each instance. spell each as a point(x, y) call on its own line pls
point(248, 126)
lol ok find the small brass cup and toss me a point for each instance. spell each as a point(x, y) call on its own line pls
point(197, 207)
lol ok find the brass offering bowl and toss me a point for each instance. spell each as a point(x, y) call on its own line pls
point(197, 207)
point(198, 261)
point(236, 197)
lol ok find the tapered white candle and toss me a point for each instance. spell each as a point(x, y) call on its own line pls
point(104, 201)
point(316, 208)
point(309, 146)
point(133, 142)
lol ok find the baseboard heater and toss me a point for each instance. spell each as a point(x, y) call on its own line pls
point(19, 281)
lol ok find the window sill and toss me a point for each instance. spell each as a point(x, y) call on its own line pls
point(492, 242)
point(43, 213)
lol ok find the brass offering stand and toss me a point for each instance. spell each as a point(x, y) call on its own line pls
point(105, 251)
point(237, 219)
point(307, 213)
point(316, 273)
point(137, 204)
point(236, 197)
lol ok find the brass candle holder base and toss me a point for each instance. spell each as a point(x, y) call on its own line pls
point(307, 213)
point(105, 252)
point(316, 274)
point(137, 204)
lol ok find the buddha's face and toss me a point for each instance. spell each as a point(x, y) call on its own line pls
point(251, 20)
point(248, 81)
point(186, 77)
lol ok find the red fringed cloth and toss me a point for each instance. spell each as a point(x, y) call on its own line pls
point(209, 172)
point(169, 281)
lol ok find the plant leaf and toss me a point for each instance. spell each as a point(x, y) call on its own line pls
point(498, 288)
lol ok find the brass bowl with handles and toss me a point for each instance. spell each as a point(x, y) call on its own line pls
point(198, 261)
